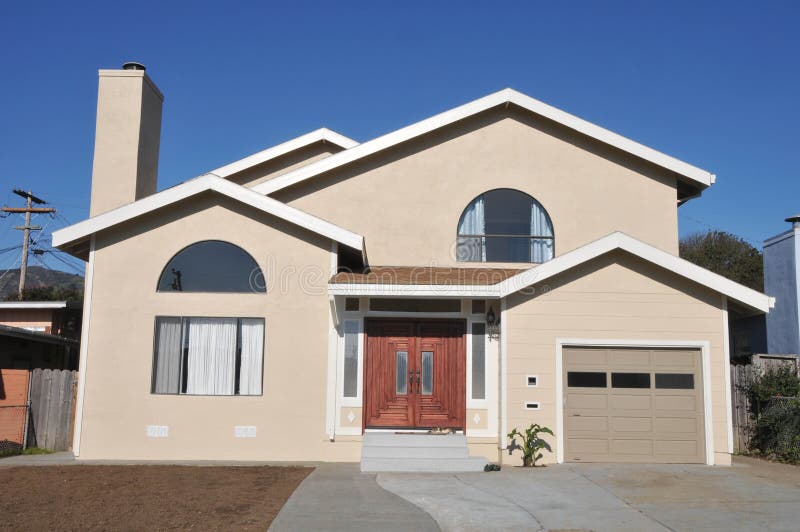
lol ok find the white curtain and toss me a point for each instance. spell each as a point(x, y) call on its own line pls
point(168, 356)
point(541, 248)
point(211, 368)
point(252, 357)
point(472, 249)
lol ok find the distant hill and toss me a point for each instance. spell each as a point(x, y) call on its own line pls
point(38, 277)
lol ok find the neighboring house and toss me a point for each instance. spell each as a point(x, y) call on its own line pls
point(782, 281)
point(499, 264)
point(39, 334)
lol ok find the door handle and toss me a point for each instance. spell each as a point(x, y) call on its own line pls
point(410, 381)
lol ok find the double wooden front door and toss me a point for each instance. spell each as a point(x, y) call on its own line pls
point(415, 374)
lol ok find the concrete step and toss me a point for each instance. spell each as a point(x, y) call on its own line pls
point(391, 439)
point(386, 451)
point(422, 465)
point(393, 451)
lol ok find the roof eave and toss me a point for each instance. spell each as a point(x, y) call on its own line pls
point(319, 135)
point(68, 238)
point(697, 176)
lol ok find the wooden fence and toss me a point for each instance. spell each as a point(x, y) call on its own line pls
point(741, 374)
point(52, 400)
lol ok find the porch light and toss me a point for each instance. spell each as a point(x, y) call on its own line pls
point(492, 324)
point(490, 317)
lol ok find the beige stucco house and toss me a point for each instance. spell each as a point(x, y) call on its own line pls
point(500, 264)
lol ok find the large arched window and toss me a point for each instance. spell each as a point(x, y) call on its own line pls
point(504, 225)
point(212, 266)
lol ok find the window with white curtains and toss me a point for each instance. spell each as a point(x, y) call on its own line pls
point(208, 356)
point(505, 225)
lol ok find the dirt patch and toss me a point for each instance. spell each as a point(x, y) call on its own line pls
point(144, 497)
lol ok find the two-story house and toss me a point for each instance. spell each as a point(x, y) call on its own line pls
point(498, 264)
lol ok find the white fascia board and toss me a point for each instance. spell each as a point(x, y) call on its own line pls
point(644, 251)
point(563, 263)
point(32, 304)
point(195, 186)
point(399, 290)
point(322, 134)
point(502, 97)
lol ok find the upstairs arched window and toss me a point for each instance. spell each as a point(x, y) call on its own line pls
point(505, 225)
point(212, 266)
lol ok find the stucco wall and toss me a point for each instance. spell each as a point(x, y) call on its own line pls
point(407, 201)
point(780, 282)
point(290, 416)
point(128, 132)
point(615, 297)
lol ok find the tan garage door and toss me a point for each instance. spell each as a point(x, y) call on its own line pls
point(633, 405)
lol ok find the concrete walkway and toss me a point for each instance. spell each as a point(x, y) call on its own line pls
point(340, 497)
point(752, 495)
point(51, 459)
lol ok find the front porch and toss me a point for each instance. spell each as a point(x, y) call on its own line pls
point(416, 360)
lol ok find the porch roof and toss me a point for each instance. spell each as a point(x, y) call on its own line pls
point(516, 280)
point(426, 276)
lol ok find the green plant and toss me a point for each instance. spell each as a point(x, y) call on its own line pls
point(777, 381)
point(37, 450)
point(776, 433)
point(531, 444)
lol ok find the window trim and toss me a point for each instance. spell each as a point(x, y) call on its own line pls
point(184, 352)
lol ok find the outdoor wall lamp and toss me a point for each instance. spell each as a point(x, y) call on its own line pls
point(492, 324)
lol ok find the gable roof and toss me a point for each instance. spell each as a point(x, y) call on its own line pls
point(74, 234)
point(571, 259)
point(319, 135)
point(699, 177)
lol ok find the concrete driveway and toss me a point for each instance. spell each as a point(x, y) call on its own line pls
point(751, 495)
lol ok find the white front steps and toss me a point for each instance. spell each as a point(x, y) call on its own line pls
point(386, 451)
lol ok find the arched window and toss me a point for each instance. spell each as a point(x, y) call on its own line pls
point(504, 225)
point(212, 266)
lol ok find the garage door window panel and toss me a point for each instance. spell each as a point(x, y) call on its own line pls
point(586, 379)
point(675, 381)
point(630, 380)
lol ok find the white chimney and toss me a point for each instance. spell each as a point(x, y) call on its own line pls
point(127, 138)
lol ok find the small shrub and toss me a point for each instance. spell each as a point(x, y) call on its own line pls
point(531, 443)
point(776, 433)
point(779, 381)
point(9, 448)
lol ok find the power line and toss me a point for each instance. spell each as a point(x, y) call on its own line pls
point(26, 229)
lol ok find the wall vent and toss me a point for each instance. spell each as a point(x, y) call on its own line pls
point(157, 431)
point(244, 431)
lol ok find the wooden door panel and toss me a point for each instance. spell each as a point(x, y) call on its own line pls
point(385, 407)
point(439, 401)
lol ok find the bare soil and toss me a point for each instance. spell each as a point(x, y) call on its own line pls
point(142, 497)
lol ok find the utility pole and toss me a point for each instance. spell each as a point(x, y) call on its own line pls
point(26, 229)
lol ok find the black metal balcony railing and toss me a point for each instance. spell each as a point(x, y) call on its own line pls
point(504, 248)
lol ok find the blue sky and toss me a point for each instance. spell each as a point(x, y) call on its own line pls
point(713, 83)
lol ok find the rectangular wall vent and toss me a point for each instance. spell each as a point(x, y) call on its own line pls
point(532, 405)
point(157, 431)
point(533, 381)
point(244, 431)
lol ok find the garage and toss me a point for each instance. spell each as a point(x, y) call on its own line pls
point(638, 405)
